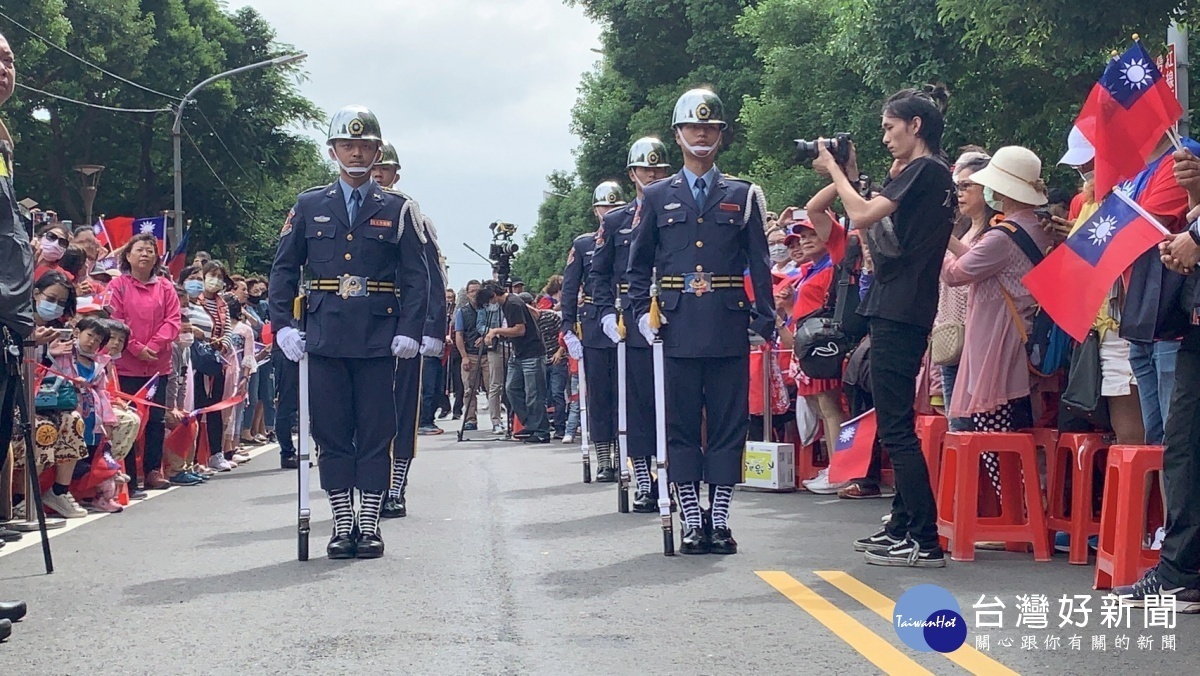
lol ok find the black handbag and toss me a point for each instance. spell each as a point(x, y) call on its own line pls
point(821, 347)
point(206, 360)
point(1082, 394)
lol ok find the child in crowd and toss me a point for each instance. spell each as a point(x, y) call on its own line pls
point(245, 363)
point(129, 423)
point(180, 454)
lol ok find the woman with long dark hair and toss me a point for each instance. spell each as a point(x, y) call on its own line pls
point(907, 227)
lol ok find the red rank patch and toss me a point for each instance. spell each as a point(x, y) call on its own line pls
point(726, 206)
point(381, 222)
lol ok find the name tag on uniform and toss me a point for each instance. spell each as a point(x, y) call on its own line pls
point(381, 222)
point(672, 206)
point(320, 219)
point(727, 206)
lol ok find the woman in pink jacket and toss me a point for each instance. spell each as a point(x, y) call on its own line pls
point(148, 303)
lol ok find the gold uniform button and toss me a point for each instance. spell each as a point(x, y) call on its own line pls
point(349, 238)
point(699, 220)
point(699, 268)
point(699, 244)
point(348, 256)
point(741, 304)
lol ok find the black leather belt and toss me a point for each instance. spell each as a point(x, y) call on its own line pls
point(351, 286)
point(700, 283)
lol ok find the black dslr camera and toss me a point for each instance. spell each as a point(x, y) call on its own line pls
point(503, 249)
point(839, 145)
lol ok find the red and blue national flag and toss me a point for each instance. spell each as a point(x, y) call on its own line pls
point(156, 226)
point(1074, 280)
point(851, 456)
point(1126, 115)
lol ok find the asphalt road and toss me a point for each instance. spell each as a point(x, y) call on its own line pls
point(509, 564)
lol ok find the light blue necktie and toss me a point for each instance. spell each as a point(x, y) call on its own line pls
point(700, 194)
point(355, 203)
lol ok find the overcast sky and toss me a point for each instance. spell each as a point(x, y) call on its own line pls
point(476, 95)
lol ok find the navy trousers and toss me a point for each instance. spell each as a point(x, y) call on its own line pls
point(600, 367)
point(715, 393)
point(353, 420)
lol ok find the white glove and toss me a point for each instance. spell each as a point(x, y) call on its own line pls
point(574, 347)
point(291, 342)
point(650, 334)
point(431, 347)
point(405, 347)
point(609, 324)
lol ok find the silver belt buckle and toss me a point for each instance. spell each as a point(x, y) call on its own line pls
point(698, 283)
point(352, 286)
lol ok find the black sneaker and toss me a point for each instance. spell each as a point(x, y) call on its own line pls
point(1187, 600)
point(880, 540)
point(908, 554)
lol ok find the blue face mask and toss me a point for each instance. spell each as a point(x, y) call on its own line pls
point(48, 310)
point(194, 287)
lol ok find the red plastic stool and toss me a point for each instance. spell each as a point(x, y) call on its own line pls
point(1121, 558)
point(1073, 456)
point(1020, 521)
point(931, 431)
point(123, 495)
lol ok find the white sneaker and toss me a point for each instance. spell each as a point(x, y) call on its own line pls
point(63, 505)
point(821, 486)
point(569, 439)
point(218, 462)
point(497, 428)
point(1158, 538)
point(241, 458)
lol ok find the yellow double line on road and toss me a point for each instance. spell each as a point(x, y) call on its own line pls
point(870, 645)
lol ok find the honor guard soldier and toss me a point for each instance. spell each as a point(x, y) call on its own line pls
point(366, 304)
point(586, 340)
point(698, 234)
point(408, 371)
point(646, 164)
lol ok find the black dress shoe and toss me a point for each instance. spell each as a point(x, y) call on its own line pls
point(722, 541)
point(370, 546)
point(7, 535)
point(607, 475)
point(342, 547)
point(693, 542)
point(289, 462)
point(12, 611)
point(643, 503)
point(5, 630)
point(394, 508)
point(537, 439)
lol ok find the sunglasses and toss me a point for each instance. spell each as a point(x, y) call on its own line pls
point(56, 238)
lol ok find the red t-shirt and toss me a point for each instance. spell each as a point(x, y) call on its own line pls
point(813, 284)
point(1164, 198)
point(1076, 206)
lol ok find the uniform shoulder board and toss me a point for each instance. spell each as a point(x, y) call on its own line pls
point(730, 177)
point(397, 192)
point(315, 188)
point(586, 236)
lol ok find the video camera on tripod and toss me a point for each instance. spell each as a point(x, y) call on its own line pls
point(503, 250)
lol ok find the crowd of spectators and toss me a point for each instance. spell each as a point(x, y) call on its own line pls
point(142, 380)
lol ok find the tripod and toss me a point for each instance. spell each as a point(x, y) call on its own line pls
point(20, 371)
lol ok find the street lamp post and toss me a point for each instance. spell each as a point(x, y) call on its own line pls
point(177, 128)
point(90, 178)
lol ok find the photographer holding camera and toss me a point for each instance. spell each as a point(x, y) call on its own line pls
point(526, 382)
point(919, 201)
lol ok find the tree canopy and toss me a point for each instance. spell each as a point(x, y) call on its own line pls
point(242, 164)
point(1017, 70)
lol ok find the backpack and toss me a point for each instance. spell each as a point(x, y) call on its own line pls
point(1047, 345)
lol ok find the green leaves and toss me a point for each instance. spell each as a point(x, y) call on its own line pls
point(241, 126)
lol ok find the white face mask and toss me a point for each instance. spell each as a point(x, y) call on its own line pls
point(355, 172)
point(186, 339)
point(779, 253)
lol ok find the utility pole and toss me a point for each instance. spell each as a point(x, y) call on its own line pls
point(177, 128)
